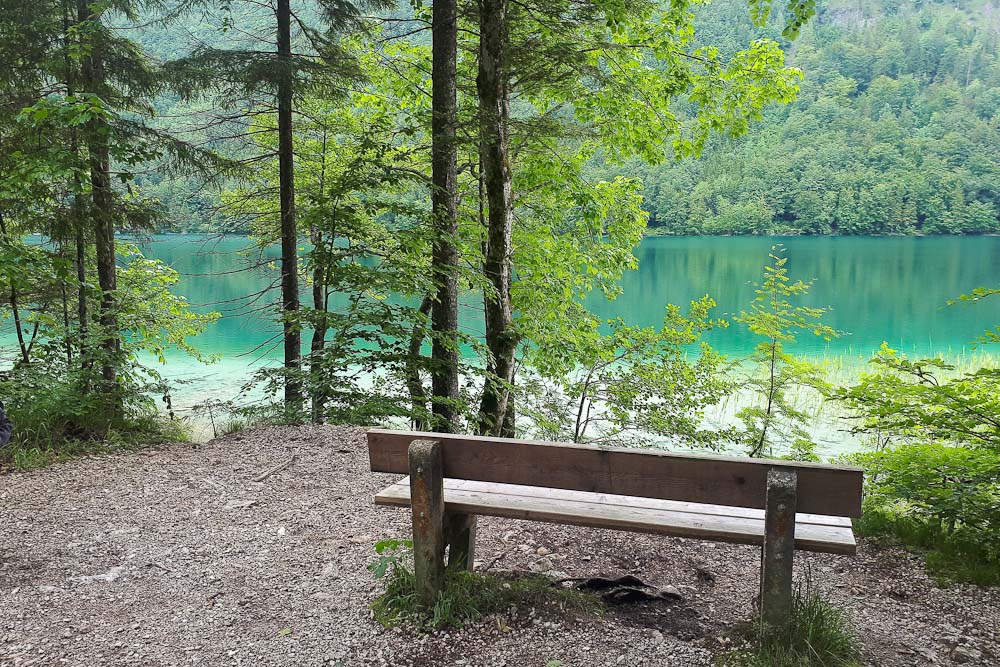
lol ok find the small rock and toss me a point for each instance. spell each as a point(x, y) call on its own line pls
point(949, 629)
point(541, 565)
point(965, 654)
point(322, 596)
point(705, 576)
point(542, 551)
point(107, 577)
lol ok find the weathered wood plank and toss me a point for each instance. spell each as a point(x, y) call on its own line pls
point(634, 501)
point(483, 498)
point(778, 550)
point(628, 501)
point(427, 492)
point(823, 489)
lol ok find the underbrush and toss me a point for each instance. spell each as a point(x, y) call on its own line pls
point(227, 418)
point(817, 634)
point(466, 597)
point(54, 420)
point(29, 454)
point(941, 501)
point(956, 557)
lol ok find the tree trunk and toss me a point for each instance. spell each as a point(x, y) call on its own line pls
point(103, 219)
point(494, 138)
point(444, 205)
point(78, 208)
point(320, 260)
point(289, 235)
point(14, 307)
point(82, 311)
point(107, 278)
point(414, 362)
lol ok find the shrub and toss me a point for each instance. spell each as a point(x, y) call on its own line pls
point(942, 499)
point(934, 483)
point(818, 634)
point(55, 418)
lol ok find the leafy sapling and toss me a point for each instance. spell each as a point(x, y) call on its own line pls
point(773, 418)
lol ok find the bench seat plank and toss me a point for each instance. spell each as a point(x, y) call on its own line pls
point(602, 510)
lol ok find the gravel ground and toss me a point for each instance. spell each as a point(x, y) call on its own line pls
point(175, 556)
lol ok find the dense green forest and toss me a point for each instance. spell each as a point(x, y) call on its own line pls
point(894, 130)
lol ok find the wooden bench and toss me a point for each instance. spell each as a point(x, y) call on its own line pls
point(780, 505)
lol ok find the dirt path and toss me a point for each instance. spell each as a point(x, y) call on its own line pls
point(176, 557)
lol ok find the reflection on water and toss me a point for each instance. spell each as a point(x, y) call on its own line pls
point(879, 289)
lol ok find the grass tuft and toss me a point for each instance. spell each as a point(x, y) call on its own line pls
point(467, 597)
point(27, 452)
point(818, 634)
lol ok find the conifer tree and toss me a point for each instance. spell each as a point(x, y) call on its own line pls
point(293, 51)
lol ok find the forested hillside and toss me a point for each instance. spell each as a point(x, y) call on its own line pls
point(896, 130)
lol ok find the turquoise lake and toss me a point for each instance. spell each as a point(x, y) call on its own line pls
point(878, 288)
point(892, 289)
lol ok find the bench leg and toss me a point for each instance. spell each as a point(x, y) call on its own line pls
point(427, 505)
point(779, 548)
point(461, 541)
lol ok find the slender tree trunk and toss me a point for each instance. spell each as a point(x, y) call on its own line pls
point(103, 218)
point(64, 296)
point(414, 384)
point(104, 235)
point(320, 259)
point(444, 205)
point(289, 234)
point(15, 308)
point(80, 233)
point(82, 311)
point(494, 138)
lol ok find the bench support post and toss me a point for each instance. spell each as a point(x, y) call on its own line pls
point(461, 541)
point(779, 548)
point(427, 505)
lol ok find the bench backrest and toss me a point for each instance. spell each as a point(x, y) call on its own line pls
point(719, 480)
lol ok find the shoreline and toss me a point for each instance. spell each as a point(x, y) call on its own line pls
point(220, 382)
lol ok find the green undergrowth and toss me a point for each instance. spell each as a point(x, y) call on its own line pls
point(227, 418)
point(467, 597)
point(34, 448)
point(818, 634)
point(939, 500)
point(961, 556)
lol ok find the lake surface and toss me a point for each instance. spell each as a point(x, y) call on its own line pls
point(878, 288)
point(892, 289)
